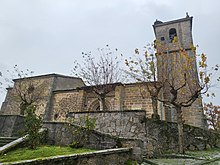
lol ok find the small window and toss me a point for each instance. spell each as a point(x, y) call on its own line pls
point(56, 116)
point(172, 34)
point(162, 38)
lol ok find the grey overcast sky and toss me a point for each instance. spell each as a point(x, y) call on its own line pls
point(46, 36)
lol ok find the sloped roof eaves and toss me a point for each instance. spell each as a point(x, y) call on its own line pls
point(173, 21)
point(151, 82)
point(66, 90)
point(87, 87)
point(47, 76)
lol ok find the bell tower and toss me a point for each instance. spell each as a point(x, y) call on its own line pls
point(181, 29)
point(176, 64)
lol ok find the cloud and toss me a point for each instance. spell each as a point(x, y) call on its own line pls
point(48, 35)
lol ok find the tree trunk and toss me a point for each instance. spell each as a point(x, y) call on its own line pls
point(180, 129)
point(23, 107)
point(155, 114)
point(102, 103)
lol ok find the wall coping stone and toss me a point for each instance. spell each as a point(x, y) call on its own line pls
point(87, 154)
point(55, 122)
point(12, 144)
point(12, 115)
point(46, 76)
point(116, 111)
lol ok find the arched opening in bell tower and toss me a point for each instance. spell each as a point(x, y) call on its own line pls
point(172, 34)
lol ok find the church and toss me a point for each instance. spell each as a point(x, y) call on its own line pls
point(59, 95)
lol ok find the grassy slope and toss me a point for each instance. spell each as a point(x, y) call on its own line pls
point(40, 152)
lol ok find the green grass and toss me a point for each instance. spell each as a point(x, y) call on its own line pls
point(39, 153)
point(204, 153)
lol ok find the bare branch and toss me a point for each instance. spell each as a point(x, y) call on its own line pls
point(100, 72)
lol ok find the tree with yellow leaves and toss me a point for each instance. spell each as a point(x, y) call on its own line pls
point(176, 75)
point(142, 68)
point(212, 113)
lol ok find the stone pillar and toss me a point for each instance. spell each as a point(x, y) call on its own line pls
point(119, 97)
point(81, 100)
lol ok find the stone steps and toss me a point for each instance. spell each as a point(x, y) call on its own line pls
point(6, 140)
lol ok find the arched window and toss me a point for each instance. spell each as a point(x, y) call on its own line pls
point(172, 34)
point(95, 106)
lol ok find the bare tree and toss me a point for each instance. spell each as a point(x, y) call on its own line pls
point(100, 71)
point(26, 91)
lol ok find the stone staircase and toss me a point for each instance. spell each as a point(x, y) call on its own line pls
point(6, 140)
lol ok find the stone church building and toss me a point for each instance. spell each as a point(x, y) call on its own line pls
point(58, 95)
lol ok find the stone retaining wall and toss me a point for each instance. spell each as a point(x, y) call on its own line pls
point(123, 129)
point(129, 124)
point(59, 133)
point(158, 136)
point(163, 136)
point(117, 156)
point(11, 125)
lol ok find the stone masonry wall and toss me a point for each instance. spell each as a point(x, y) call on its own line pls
point(76, 100)
point(137, 98)
point(147, 137)
point(163, 136)
point(92, 102)
point(66, 102)
point(61, 133)
point(66, 83)
point(124, 97)
point(11, 105)
point(174, 65)
point(59, 98)
point(194, 115)
point(128, 124)
point(157, 136)
point(44, 88)
point(11, 125)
